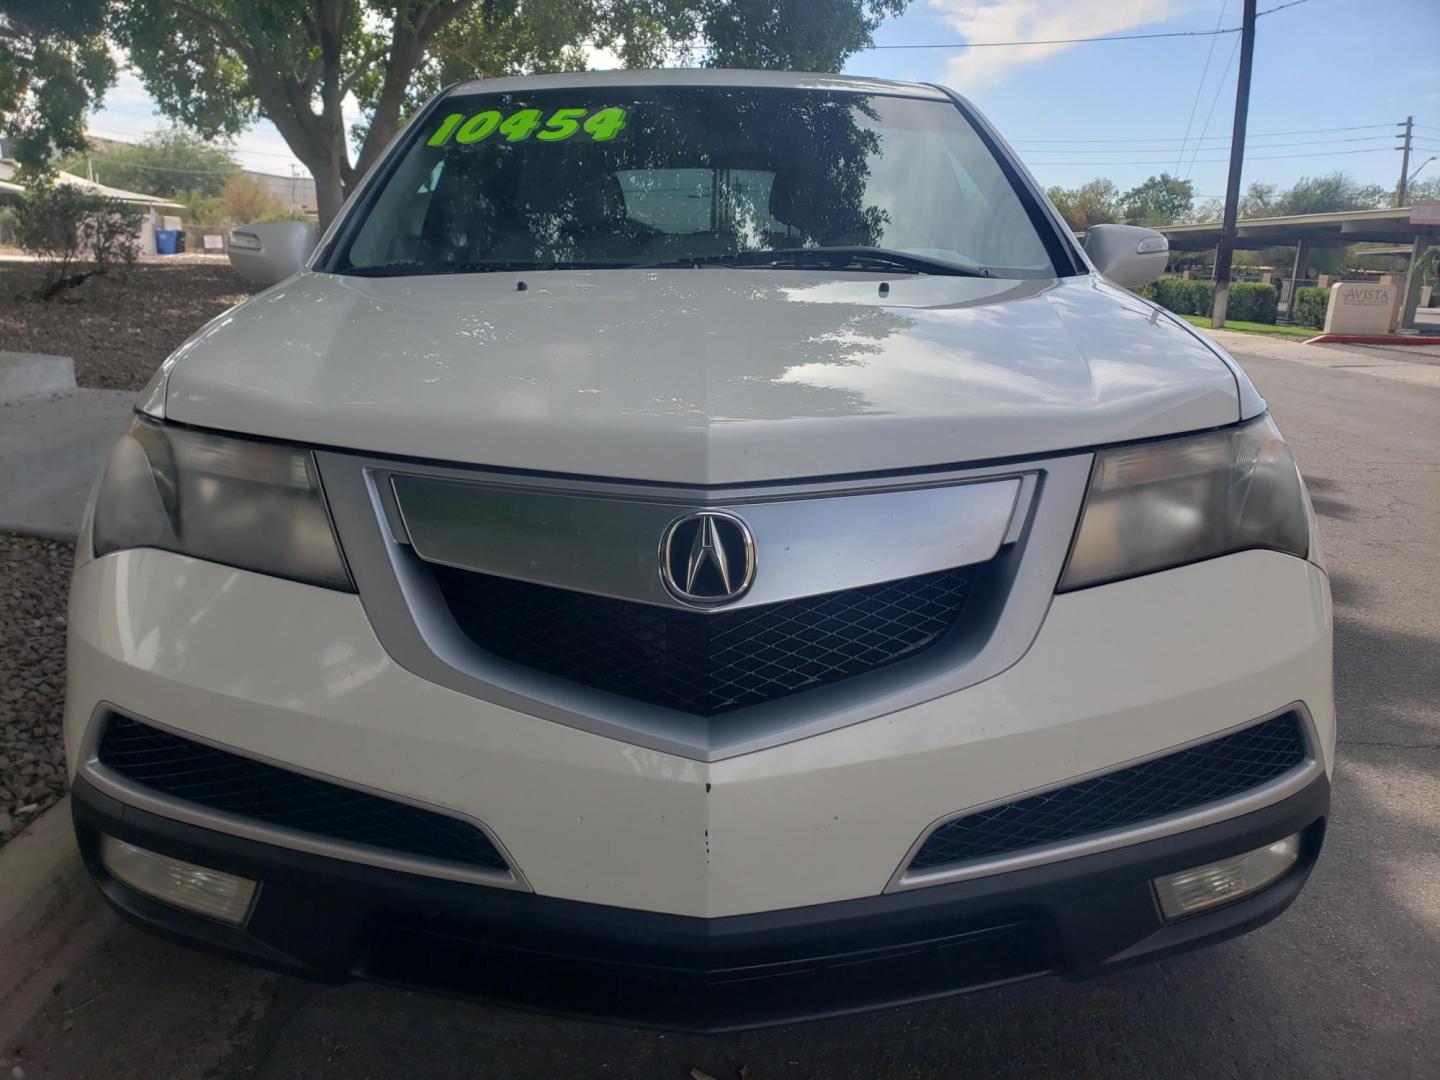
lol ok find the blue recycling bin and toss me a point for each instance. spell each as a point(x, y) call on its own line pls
point(167, 241)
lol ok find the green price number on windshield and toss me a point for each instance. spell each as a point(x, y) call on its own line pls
point(600, 126)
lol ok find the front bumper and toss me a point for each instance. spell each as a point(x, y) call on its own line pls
point(332, 919)
point(294, 675)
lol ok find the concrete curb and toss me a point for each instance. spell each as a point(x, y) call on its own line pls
point(25, 375)
point(50, 915)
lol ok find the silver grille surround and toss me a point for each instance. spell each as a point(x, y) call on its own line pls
point(415, 627)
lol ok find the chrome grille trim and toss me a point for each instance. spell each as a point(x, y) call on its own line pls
point(413, 623)
point(608, 546)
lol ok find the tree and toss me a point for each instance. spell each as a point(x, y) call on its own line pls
point(169, 163)
point(1160, 200)
point(1423, 190)
point(63, 226)
point(1095, 203)
point(216, 65)
point(246, 200)
point(1325, 194)
point(54, 65)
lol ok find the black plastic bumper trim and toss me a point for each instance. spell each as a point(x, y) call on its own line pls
point(332, 920)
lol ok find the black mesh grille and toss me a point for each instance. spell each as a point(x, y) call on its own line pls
point(1167, 785)
point(232, 784)
point(704, 663)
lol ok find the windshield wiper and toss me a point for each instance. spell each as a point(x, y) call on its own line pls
point(828, 258)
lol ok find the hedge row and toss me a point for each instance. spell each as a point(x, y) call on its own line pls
point(1247, 303)
point(1307, 307)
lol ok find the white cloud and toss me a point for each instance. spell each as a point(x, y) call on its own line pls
point(1031, 20)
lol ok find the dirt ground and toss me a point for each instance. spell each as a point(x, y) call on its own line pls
point(118, 331)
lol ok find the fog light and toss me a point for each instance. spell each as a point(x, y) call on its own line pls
point(195, 888)
point(1229, 879)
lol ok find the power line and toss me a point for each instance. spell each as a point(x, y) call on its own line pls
point(1261, 146)
point(1220, 86)
point(125, 136)
point(1080, 40)
point(1053, 41)
point(1200, 89)
point(1214, 138)
point(1211, 161)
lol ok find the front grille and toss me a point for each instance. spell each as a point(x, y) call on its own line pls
point(704, 663)
point(1172, 784)
point(231, 784)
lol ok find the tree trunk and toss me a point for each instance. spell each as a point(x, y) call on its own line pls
point(329, 191)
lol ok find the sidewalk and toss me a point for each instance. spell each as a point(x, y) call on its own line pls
point(1416, 365)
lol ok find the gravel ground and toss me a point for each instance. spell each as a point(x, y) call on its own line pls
point(117, 331)
point(34, 579)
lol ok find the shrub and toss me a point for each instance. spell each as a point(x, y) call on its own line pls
point(1185, 297)
point(1307, 307)
point(246, 200)
point(1247, 303)
point(1251, 303)
point(65, 227)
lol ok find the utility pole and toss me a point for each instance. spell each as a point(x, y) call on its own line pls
point(1405, 162)
point(1226, 246)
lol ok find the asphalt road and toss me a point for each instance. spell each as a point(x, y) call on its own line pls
point(1345, 984)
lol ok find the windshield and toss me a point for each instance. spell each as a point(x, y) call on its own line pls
point(597, 177)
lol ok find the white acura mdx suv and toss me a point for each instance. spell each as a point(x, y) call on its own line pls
point(702, 549)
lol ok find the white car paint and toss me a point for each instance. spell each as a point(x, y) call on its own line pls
point(294, 674)
point(712, 376)
point(700, 377)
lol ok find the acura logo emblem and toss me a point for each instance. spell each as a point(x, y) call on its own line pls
point(707, 558)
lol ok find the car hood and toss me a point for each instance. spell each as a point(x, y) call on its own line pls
point(699, 376)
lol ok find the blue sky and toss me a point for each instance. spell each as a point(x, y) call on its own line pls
point(1324, 64)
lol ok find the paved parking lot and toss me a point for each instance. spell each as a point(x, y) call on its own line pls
point(1346, 984)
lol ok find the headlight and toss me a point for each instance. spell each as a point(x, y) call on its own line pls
point(1161, 504)
point(235, 501)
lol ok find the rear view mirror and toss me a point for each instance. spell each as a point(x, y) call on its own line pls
point(271, 251)
point(1127, 254)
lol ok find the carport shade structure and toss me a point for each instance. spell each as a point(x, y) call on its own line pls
point(1416, 227)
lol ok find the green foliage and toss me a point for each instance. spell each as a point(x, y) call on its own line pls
point(285, 215)
point(1312, 195)
point(1248, 302)
point(1184, 296)
point(63, 226)
point(797, 35)
point(1307, 306)
point(216, 65)
point(168, 163)
point(1251, 302)
point(7, 226)
point(1095, 203)
point(1160, 200)
point(54, 65)
point(202, 209)
point(246, 200)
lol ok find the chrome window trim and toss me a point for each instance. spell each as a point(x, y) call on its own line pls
point(130, 793)
point(1257, 798)
point(415, 627)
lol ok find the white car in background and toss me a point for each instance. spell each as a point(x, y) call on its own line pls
point(701, 549)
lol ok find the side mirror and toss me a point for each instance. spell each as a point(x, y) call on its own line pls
point(1127, 254)
point(272, 250)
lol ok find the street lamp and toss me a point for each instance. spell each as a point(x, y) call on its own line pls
point(1422, 166)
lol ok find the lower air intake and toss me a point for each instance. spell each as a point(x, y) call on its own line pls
point(1178, 782)
point(243, 787)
